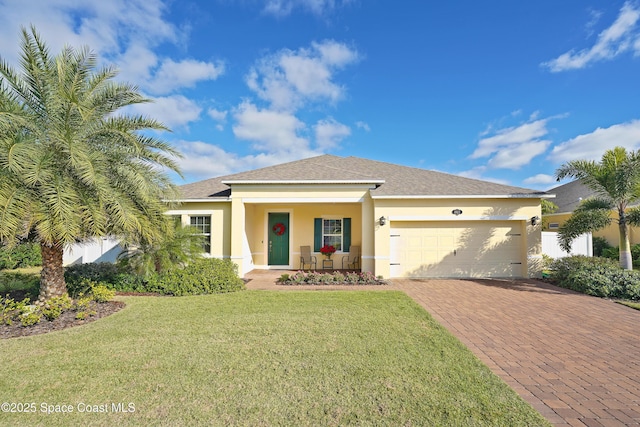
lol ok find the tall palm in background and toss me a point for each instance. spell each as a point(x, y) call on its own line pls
point(616, 183)
point(72, 167)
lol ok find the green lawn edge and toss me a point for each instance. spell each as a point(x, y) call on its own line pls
point(259, 358)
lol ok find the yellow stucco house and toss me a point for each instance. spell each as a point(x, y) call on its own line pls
point(407, 222)
point(567, 198)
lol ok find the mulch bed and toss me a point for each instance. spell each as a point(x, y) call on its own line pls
point(66, 320)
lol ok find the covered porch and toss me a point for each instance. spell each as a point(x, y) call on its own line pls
point(274, 235)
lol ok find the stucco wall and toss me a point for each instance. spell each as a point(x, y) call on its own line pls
point(220, 213)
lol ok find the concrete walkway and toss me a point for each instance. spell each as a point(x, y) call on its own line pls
point(574, 358)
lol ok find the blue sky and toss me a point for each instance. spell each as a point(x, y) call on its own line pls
point(503, 91)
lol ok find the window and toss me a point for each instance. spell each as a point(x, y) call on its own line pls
point(554, 225)
point(332, 233)
point(202, 224)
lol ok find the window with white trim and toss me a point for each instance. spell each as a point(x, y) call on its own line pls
point(202, 225)
point(332, 233)
point(554, 225)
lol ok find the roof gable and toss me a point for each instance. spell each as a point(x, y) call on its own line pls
point(389, 180)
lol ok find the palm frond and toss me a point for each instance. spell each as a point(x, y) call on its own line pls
point(582, 222)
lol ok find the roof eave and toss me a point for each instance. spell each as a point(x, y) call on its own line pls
point(200, 199)
point(465, 196)
point(305, 181)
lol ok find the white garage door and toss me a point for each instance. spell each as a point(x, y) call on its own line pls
point(456, 249)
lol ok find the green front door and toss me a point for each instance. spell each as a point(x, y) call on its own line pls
point(278, 239)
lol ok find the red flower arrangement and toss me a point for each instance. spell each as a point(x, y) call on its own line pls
point(327, 250)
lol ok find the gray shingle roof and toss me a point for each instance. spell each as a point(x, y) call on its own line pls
point(569, 196)
point(398, 180)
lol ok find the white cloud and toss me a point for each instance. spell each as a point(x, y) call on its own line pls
point(173, 111)
point(591, 146)
point(510, 136)
point(518, 155)
point(140, 61)
point(108, 28)
point(173, 75)
point(289, 79)
point(513, 147)
point(620, 37)
point(269, 130)
point(219, 116)
point(282, 8)
point(364, 126)
point(540, 178)
point(203, 160)
point(121, 32)
point(329, 133)
point(595, 16)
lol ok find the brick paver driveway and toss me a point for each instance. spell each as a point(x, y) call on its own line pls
point(575, 358)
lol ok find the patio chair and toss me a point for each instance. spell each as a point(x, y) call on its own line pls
point(307, 258)
point(352, 261)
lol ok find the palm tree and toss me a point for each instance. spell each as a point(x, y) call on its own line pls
point(616, 183)
point(72, 167)
point(176, 247)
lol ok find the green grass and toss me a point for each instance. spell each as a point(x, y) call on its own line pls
point(635, 305)
point(260, 358)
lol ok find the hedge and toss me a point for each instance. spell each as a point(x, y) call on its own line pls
point(596, 276)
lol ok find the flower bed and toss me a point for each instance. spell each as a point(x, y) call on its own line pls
point(336, 278)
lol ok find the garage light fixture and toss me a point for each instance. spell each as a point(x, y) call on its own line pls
point(535, 219)
point(382, 220)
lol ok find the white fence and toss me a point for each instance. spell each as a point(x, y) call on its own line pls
point(582, 245)
point(99, 250)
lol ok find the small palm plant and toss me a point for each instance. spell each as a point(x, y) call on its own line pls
point(615, 181)
point(176, 247)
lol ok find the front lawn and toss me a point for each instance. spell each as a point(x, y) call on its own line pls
point(257, 358)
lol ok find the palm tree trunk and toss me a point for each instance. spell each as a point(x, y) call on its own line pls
point(626, 261)
point(52, 276)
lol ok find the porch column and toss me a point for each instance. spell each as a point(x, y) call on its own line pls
point(238, 233)
point(368, 247)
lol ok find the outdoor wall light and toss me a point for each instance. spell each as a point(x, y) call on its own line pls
point(382, 220)
point(535, 219)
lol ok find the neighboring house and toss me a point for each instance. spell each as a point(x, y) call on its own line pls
point(568, 197)
point(408, 222)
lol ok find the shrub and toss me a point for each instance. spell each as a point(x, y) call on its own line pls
point(336, 278)
point(10, 281)
point(101, 293)
point(84, 307)
point(600, 277)
point(203, 276)
point(599, 244)
point(55, 306)
point(20, 256)
point(97, 272)
point(12, 309)
point(613, 252)
point(126, 282)
point(31, 318)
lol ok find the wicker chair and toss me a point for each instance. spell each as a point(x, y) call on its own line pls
point(307, 258)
